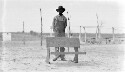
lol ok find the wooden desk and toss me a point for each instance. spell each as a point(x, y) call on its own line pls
point(63, 42)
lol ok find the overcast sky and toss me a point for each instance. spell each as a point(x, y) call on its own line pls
point(110, 13)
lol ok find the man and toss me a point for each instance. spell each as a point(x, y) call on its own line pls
point(59, 25)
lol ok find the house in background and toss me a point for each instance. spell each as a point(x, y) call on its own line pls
point(6, 36)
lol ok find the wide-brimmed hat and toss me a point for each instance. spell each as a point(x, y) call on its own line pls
point(60, 8)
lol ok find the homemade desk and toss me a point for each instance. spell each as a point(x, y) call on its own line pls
point(63, 42)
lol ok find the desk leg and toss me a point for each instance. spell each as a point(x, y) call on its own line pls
point(48, 55)
point(76, 55)
point(56, 50)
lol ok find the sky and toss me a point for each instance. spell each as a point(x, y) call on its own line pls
point(1, 13)
point(81, 12)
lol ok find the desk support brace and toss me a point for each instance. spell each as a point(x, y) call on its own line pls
point(76, 55)
point(48, 55)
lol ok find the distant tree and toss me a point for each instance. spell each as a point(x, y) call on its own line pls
point(33, 33)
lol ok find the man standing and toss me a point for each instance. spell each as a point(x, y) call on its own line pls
point(59, 25)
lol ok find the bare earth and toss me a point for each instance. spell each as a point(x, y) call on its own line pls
point(16, 57)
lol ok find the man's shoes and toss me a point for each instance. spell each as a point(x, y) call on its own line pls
point(74, 61)
point(63, 59)
point(54, 59)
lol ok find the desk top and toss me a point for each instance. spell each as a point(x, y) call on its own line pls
point(62, 42)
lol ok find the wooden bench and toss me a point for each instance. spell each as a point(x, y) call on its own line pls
point(62, 42)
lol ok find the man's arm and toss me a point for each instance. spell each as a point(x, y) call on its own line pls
point(66, 23)
point(53, 24)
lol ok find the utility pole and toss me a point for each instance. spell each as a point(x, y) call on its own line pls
point(69, 25)
point(113, 38)
point(85, 34)
point(23, 26)
point(23, 34)
point(69, 28)
point(51, 34)
point(41, 26)
point(80, 33)
point(100, 36)
point(97, 30)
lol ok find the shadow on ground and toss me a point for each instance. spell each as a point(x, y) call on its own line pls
point(81, 63)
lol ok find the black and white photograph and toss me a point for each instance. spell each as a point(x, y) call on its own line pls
point(62, 36)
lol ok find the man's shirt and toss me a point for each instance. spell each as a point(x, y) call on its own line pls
point(59, 23)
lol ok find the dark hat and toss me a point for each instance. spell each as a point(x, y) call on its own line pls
point(60, 8)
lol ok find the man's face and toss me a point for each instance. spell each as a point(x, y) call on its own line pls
point(60, 11)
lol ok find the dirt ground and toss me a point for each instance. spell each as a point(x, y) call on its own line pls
point(17, 57)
